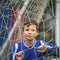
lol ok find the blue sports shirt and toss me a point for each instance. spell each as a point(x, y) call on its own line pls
point(29, 53)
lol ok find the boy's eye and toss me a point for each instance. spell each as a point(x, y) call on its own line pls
point(26, 29)
point(33, 30)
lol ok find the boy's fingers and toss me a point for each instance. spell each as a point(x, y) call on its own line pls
point(42, 48)
point(19, 53)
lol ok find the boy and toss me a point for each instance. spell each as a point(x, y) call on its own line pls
point(30, 48)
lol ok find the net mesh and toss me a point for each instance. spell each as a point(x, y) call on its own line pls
point(12, 11)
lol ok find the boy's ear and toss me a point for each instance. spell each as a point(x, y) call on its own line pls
point(37, 34)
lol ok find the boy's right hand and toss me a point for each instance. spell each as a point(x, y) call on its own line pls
point(19, 55)
point(42, 48)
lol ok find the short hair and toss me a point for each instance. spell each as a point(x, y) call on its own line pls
point(29, 22)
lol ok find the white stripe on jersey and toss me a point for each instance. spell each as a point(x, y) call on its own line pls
point(16, 47)
point(48, 46)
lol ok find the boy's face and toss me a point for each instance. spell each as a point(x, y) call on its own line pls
point(30, 32)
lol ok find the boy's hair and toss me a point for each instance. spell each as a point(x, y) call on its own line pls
point(29, 22)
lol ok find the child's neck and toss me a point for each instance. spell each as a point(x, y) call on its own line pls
point(29, 43)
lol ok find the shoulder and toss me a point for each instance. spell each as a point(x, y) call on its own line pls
point(40, 41)
point(48, 45)
point(43, 42)
point(16, 46)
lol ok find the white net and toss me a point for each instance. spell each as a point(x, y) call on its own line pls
point(12, 16)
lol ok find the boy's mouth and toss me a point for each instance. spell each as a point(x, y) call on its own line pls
point(30, 36)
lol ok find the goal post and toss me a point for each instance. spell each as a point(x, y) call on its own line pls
point(58, 25)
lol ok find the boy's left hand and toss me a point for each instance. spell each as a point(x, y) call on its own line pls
point(19, 55)
point(42, 48)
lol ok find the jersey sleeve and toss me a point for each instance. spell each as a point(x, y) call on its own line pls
point(13, 52)
point(52, 50)
point(48, 45)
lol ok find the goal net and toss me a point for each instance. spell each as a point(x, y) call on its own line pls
point(12, 18)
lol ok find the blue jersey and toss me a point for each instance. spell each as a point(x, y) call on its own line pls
point(29, 53)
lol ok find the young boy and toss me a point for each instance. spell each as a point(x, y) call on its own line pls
point(30, 48)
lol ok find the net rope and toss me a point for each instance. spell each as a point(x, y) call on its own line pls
point(12, 18)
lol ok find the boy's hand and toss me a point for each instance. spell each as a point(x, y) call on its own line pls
point(19, 55)
point(42, 48)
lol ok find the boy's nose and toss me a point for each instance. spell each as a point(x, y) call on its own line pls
point(29, 32)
